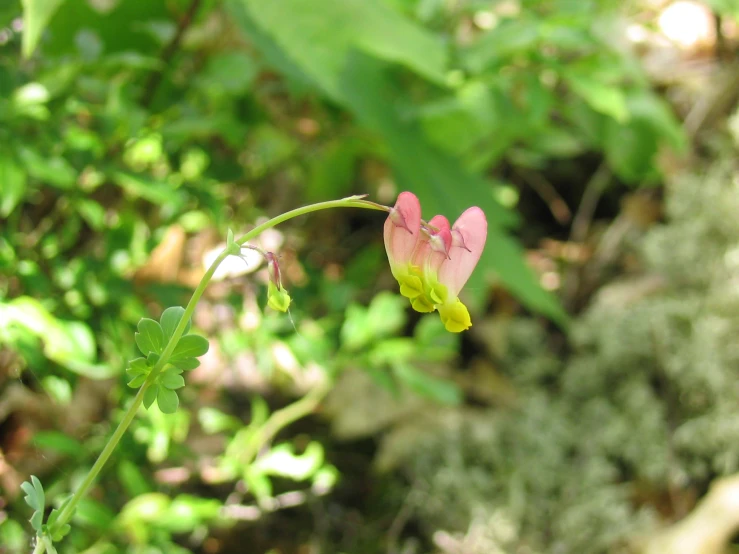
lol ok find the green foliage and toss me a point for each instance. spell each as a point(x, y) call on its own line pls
point(152, 338)
point(359, 77)
point(24, 321)
point(113, 138)
point(36, 499)
point(36, 15)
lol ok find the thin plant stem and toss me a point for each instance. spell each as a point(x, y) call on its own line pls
point(40, 546)
point(287, 415)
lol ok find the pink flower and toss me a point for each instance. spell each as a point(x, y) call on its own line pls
point(432, 262)
point(432, 251)
point(402, 232)
point(471, 231)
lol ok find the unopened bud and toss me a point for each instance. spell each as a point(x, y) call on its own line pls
point(277, 298)
point(273, 269)
point(439, 241)
point(398, 219)
point(458, 239)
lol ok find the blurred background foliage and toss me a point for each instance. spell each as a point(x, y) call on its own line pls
point(589, 408)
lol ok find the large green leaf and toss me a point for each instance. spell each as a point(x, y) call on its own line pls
point(326, 43)
point(12, 183)
point(36, 16)
point(317, 36)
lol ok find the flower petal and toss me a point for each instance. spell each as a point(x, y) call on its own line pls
point(402, 230)
point(426, 257)
point(464, 255)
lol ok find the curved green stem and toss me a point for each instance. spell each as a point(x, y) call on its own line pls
point(282, 418)
point(128, 416)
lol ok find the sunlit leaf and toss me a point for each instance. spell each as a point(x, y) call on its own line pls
point(170, 319)
point(189, 346)
point(36, 499)
point(172, 380)
point(149, 337)
point(427, 385)
point(36, 16)
point(13, 180)
point(167, 400)
point(150, 395)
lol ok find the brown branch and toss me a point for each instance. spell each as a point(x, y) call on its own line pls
point(548, 193)
point(155, 78)
point(594, 189)
point(708, 529)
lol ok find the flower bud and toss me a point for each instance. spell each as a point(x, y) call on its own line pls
point(277, 297)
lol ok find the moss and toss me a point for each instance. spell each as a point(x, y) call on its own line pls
point(601, 444)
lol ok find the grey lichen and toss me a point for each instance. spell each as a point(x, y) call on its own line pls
point(606, 446)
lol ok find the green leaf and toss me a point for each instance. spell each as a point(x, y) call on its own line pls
point(150, 395)
point(172, 380)
point(34, 490)
point(55, 171)
point(137, 381)
point(132, 478)
point(54, 440)
point(12, 183)
point(36, 499)
point(345, 25)
point(68, 343)
point(427, 385)
point(390, 351)
point(631, 147)
point(258, 484)
point(137, 366)
point(170, 319)
point(167, 400)
point(94, 513)
point(156, 192)
point(215, 421)
point(62, 532)
point(186, 364)
point(150, 337)
point(385, 315)
point(230, 72)
point(282, 461)
point(433, 342)
point(187, 512)
point(332, 169)
point(513, 37)
point(190, 346)
point(606, 99)
point(36, 16)
point(144, 509)
point(59, 534)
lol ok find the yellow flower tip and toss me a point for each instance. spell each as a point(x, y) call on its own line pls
point(277, 298)
point(422, 304)
point(410, 286)
point(438, 293)
point(455, 317)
